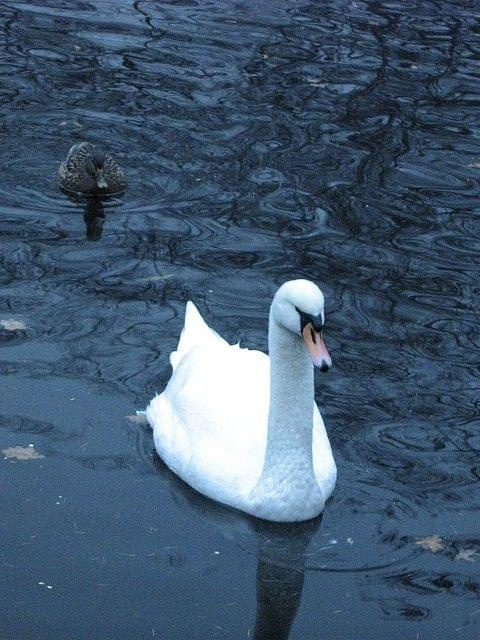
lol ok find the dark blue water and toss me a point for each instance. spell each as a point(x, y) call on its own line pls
point(262, 141)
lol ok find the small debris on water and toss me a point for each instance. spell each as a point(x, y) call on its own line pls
point(137, 418)
point(21, 453)
point(467, 554)
point(42, 584)
point(155, 278)
point(13, 325)
point(431, 543)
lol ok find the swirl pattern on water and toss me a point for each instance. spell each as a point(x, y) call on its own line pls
point(263, 141)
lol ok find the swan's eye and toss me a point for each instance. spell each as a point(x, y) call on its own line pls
point(305, 318)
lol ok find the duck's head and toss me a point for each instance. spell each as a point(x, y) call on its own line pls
point(95, 167)
point(298, 306)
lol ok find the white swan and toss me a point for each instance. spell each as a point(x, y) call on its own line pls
point(243, 428)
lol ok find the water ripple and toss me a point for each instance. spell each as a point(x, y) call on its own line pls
point(336, 141)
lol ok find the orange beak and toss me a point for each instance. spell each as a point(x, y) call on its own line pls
point(316, 347)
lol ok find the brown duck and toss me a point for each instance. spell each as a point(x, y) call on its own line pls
point(90, 171)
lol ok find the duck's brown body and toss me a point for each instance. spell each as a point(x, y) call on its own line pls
point(75, 174)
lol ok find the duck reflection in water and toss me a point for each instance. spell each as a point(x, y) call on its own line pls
point(94, 217)
point(281, 554)
point(93, 214)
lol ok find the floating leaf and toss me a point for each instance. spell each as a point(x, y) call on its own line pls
point(155, 278)
point(13, 325)
point(21, 453)
point(431, 543)
point(467, 554)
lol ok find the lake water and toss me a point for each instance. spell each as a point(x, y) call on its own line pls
point(337, 141)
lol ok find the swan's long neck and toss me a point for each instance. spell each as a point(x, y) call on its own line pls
point(288, 466)
point(290, 415)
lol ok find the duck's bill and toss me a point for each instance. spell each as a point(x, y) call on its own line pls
point(316, 347)
point(101, 182)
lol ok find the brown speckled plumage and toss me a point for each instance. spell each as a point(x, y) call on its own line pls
point(75, 177)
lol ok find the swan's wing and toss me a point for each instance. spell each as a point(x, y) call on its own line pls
point(195, 332)
point(210, 423)
point(323, 462)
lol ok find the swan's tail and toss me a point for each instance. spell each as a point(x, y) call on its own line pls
point(141, 417)
point(195, 332)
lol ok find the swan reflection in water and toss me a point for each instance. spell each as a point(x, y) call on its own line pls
point(280, 575)
point(281, 553)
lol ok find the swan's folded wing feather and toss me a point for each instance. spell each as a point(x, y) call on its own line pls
point(323, 461)
point(195, 332)
point(169, 434)
point(218, 404)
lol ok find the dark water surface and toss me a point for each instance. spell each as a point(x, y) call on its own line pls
point(337, 141)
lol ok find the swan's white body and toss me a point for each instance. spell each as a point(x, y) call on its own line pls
point(217, 426)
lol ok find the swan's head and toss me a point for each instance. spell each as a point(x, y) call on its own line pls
point(298, 307)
